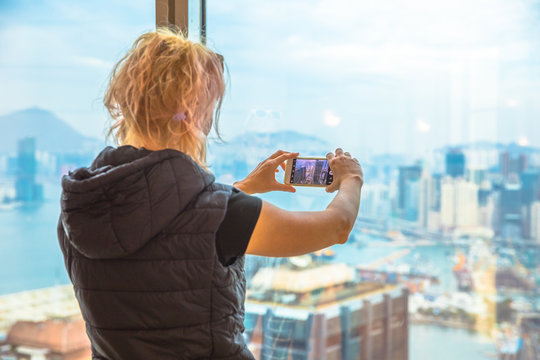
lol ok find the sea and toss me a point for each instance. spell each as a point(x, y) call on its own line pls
point(30, 258)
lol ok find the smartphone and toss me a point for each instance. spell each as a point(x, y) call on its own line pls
point(308, 171)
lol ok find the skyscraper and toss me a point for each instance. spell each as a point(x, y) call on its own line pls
point(319, 165)
point(530, 187)
point(455, 163)
point(459, 204)
point(407, 183)
point(26, 188)
point(509, 164)
point(535, 221)
point(510, 209)
point(325, 312)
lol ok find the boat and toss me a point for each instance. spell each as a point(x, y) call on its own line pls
point(328, 254)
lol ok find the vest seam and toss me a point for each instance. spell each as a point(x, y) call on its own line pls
point(156, 329)
point(149, 201)
point(144, 329)
point(176, 185)
point(154, 291)
point(138, 291)
point(115, 235)
point(140, 260)
point(212, 301)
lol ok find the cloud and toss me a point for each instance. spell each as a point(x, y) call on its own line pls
point(391, 37)
point(94, 62)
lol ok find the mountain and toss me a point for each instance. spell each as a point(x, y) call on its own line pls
point(269, 142)
point(52, 133)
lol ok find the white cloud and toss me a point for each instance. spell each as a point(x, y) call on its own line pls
point(390, 37)
point(94, 62)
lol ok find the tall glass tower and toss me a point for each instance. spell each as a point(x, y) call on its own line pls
point(26, 189)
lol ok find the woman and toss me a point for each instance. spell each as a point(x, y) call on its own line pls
point(153, 246)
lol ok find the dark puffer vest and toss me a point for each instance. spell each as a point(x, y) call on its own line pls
point(137, 231)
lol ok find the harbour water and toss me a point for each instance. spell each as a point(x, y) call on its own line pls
point(30, 258)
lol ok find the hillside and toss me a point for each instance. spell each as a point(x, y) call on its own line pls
point(52, 133)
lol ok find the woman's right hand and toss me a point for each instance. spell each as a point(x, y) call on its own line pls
point(343, 167)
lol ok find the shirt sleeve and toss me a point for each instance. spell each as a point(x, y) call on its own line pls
point(233, 235)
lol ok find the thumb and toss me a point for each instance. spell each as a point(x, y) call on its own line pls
point(284, 187)
point(332, 187)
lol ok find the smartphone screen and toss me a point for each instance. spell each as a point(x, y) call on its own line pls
point(311, 172)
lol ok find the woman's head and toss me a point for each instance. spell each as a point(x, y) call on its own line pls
point(166, 92)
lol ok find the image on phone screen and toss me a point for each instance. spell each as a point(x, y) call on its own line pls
point(311, 172)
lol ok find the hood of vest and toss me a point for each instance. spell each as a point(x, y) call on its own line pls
point(126, 197)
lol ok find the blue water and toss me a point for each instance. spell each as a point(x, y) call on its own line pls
point(30, 256)
point(429, 342)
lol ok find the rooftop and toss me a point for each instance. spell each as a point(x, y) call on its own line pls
point(61, 336)
point(302, 280)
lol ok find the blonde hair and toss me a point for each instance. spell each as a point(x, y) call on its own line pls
point(165, 93)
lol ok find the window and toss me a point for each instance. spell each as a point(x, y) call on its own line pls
point(438, 101)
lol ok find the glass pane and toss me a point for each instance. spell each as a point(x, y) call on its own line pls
point(55, 59)
point(194, 20)
point(438, 101)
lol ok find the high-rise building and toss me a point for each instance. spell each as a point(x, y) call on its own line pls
point(487, 200)
point(509, 164)
point(375, 202)
point(325, 312)
point(26, 188)
point(476, 175)
point(504, 163)
point(466, 204)
point(530, 189)
point(511, 210)
point(423, 202)
point(448, 205)
point(459, 204)
point(535, 221)
point(455, 163)
point(412, 200)
point(483, 193)
point(429, 198)
point(300, 175)
point(530, 186)
point(436, 180)
point(318, 171)
point(408, 175)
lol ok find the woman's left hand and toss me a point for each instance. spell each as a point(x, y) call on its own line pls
point(263, 178)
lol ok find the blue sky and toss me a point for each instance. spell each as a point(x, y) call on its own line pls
point(393, 76)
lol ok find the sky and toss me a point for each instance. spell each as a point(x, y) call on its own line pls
point(400, 76)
